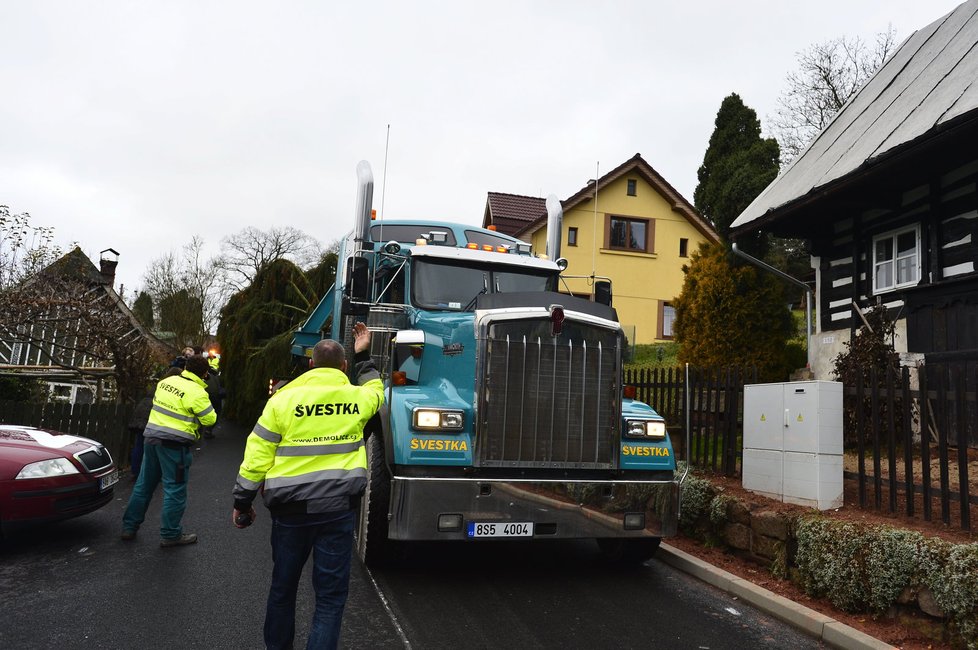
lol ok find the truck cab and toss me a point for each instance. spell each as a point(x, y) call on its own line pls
point(504, 413)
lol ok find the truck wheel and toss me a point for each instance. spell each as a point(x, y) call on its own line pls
point(628, 551)
point(373, 546)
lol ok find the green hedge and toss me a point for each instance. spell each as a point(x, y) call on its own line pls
point(859, 567)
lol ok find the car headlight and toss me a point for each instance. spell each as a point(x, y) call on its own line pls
point(428, 419)
point(655, 429)
point(48, 468)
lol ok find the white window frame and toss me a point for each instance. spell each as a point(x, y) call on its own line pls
point(663, 333)
point(893, 235)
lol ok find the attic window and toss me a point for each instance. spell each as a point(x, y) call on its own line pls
point(896, 259)
point(632, 187)
point(572, 236)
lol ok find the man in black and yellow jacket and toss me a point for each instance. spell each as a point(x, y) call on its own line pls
point(307, 454)
point(180, 406)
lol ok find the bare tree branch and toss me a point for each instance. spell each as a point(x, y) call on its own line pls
point(828, 75)
point(247, 251)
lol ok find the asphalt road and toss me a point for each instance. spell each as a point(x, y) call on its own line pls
point(76, 585)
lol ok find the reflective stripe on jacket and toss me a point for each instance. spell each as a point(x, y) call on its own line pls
point(180, 405)
point(307, 446)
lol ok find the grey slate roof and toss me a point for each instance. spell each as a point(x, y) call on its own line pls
point(929, 83)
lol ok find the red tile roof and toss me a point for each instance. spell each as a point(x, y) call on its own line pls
point(512, 213)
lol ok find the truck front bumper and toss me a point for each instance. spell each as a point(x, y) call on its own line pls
point(557, 510)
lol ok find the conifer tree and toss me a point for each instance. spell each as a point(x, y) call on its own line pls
point(732, 314)
point(737, 166)
point(255, 335)
point(729, 313)
point(143, 309)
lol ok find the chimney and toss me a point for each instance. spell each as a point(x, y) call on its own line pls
point(108, 260)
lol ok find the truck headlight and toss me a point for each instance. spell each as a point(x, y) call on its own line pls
point(655, 429)
point(428, 419)
point(48, 468)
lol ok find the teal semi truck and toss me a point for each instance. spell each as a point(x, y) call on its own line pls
point(505, 412)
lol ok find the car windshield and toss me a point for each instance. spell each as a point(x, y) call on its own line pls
point(441, 285)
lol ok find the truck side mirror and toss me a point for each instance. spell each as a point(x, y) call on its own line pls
point(357, 281)
point(602, 292)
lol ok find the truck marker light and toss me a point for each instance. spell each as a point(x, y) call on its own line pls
point(634, 521)
point(449, 523)
point(556, 319)
point(427, 419)
point(502, 249)
point(657, 430)
point(472, 245)
point(435, 419)
point(487, 247)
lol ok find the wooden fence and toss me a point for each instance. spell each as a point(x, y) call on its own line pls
point(716, 406)
point(914, 434)
point(104, 422)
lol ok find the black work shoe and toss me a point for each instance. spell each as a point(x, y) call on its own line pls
point(128, 535)
point(183, 540)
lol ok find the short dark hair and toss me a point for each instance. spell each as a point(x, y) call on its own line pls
point(328, 354)
point(198, 365)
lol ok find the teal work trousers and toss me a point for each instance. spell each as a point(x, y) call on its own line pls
point(168, 466)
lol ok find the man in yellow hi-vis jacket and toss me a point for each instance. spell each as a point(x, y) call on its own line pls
point(180, 406)
point(307, 449)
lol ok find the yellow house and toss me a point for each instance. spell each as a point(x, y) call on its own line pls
point(638, 234)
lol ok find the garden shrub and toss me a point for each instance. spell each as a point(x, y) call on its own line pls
point(870, 357)
point(951, 573)
point(731, 314)
point(866, 568)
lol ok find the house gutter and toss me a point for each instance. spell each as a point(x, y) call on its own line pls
point(784, 276)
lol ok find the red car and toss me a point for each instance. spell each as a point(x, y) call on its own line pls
point(47, 476)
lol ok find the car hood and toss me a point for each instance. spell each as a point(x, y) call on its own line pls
point(47, 443)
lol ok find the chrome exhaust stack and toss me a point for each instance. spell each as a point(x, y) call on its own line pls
point(365, 199)
point(555, 220)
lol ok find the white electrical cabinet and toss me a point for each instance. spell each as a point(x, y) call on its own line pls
point(793, 442)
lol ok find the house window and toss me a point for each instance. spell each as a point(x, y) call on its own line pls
point(683, 247)
point(667, 316)
point(572, 236)
point(629, 234)
point(896, 259)
point(632, 186)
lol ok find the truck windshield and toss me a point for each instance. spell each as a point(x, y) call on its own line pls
point(453, 286)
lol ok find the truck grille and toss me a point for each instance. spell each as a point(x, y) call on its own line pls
point(549, 401)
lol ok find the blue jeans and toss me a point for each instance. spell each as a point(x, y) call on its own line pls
point(331, 541)
point(172, 468)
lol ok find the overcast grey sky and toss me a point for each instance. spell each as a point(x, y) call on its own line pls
point(136, 125)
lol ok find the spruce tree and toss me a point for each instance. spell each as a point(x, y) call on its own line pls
point(143, 309)
point(738, 165)
point(729, 312)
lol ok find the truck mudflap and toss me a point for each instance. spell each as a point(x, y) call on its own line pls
point(445, 509)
